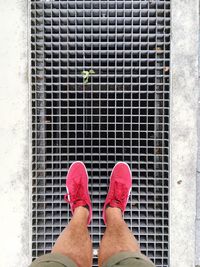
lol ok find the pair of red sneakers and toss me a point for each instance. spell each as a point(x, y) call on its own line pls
point(77, 188)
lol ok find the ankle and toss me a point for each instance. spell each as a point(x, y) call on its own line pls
point(81, 212)
point(113, 214)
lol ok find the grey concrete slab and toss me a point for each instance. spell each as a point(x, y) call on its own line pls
point(14, 155)
point(14, 186)
point(184, 103)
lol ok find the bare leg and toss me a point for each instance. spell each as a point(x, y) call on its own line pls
point(117, 237)
point(74, 241)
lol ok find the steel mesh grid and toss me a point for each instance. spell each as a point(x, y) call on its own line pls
point(121, 115)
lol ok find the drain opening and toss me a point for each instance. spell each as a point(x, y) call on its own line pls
point(121, 115)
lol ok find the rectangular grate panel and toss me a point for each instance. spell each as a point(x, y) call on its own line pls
point(122, 114)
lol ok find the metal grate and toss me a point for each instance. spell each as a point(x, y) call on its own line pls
point(122, 114)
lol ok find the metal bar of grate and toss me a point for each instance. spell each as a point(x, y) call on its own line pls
point(122, 114)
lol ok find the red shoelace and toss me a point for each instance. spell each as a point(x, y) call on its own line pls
point(76, 196)
point(119, 196)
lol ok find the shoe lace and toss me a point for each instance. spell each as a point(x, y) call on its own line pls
point(76, 195)
point(120, 195)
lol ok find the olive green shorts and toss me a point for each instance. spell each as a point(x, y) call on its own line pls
point(121, 259)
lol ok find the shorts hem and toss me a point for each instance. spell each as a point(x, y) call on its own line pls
point(120, 256)
point(55, 257)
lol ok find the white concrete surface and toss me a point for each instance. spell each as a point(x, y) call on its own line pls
point(198, 181)
point(197, 261)
point(14, 182)
point(184, 103)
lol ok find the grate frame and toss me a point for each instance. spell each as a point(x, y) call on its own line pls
point(122, 114)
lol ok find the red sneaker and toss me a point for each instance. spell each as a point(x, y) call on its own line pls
point(120, 187)
point(77, 188)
